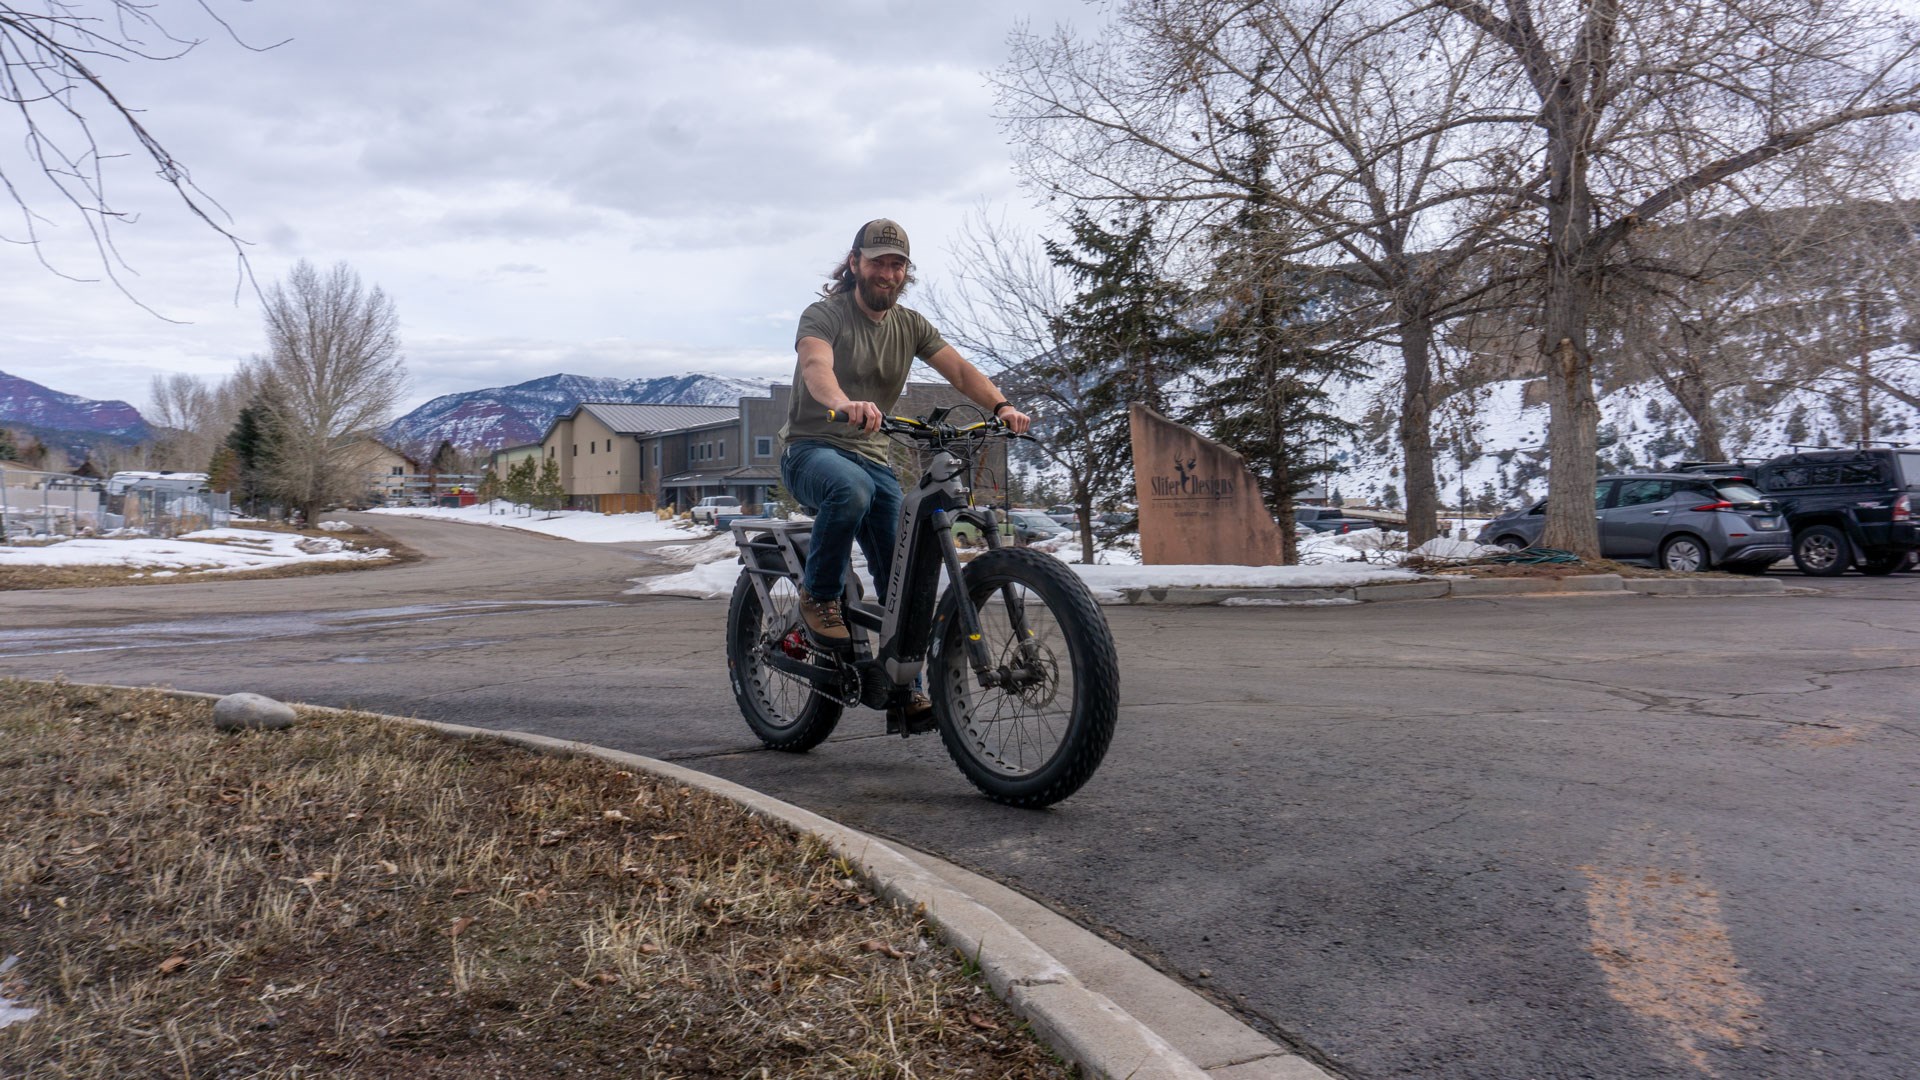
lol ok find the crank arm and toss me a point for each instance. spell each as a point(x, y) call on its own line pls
point(780, 661)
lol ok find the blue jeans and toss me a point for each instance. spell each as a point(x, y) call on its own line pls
point(853, 498)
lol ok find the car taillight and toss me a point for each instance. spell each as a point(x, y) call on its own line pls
point(1721, 505)
point(1902, 509)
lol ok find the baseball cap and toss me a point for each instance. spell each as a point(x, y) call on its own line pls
point(881, 236)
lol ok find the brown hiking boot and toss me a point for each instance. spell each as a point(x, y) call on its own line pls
point(824, 623)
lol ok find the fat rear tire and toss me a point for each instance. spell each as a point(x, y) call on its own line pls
point(1821, 551)
point(785, 714)
point(1037, 745)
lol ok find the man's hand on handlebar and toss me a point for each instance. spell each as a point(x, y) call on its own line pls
point(1014, 419)
point(864, 415)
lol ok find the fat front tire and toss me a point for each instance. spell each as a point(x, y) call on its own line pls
point(1685, 555)
point(1821, 551)
point(785, 712)
point(1038, 740)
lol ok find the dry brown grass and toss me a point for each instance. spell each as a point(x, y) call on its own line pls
point(355, 898)
point(88, 577)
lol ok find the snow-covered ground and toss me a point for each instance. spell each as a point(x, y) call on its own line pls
point(210, 551)
point(580, 525)
point(711, 567)
point(1336, 561)
point(709, 559)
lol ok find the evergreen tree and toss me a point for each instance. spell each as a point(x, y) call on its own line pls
point(9, 450)
point(252, 446)
point(548, 490)
point(521, 482)
point(1262, 391)
point(1122, 343)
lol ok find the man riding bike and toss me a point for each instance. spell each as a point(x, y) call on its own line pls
point(854, 349)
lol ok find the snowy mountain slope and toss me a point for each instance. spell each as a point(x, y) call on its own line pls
point(30, 405)
point(1641, 427)
point(512, 415)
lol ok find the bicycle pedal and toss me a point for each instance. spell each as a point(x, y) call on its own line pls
point(898, 723)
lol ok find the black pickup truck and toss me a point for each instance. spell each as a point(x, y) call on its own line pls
point(1847, 507)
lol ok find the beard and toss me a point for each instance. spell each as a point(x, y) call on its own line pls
point(877, 299)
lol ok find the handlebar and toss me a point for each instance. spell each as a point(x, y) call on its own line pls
point(919, 429)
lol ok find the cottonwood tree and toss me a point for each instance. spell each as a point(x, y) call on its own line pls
point(1643, 107)
point(1389, 166)
point(332, 376)
point(72, 125)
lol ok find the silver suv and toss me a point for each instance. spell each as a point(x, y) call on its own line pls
point(1674, 521)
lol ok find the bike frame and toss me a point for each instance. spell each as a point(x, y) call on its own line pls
point(888, 643)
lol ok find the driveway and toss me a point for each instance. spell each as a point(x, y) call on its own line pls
point(1611, 836)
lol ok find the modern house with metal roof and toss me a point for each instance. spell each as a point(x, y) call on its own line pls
point(598, 446)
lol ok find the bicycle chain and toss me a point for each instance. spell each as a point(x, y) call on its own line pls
point(814, 656)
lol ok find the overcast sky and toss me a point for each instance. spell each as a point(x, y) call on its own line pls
point(602, 187)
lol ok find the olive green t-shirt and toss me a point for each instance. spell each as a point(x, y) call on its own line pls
point(870, 361)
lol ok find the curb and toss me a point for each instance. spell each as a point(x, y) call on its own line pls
point(1081, 1025)
point(1442, 588)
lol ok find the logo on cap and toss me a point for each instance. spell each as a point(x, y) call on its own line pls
point(882, 237)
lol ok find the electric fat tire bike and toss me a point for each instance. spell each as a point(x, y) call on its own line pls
point(1023, 675)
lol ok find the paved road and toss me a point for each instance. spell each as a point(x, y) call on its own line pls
point(1612, 836)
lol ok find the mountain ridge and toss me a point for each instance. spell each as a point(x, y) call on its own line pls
point(492, 417)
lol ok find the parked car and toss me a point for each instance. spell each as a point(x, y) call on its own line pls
point(1114, 524)
point(709, 509)
point(1032, 525)
point(1675, 521)
point(1847, 507)
point(1067, 516)
point(1329, 519)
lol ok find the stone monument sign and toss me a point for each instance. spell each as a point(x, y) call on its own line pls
point(1198, 501)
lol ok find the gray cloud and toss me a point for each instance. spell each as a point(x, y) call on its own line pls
point(546, 185)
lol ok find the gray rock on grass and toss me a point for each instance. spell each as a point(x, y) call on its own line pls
point(251, 712)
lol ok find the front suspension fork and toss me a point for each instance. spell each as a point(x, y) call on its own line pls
point(978, 655)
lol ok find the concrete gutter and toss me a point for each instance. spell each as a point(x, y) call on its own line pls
point(1457, 587)
point(1072, 1008)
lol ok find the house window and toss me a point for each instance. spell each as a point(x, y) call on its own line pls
point(656, 455)
point(763, 446)
point(723, 448)
point(398, 470)
point(576, 449)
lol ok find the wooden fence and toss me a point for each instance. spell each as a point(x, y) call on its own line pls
point(626, 503)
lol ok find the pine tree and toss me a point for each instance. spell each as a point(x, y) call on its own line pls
point(251, 443)
point(1122, 343)
point(521, 482)
point(1262, 390)
point(9, 450)
point(549, 491)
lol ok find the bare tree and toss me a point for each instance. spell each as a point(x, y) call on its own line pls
point(193, 417)
point(1394, 171)
point(51, 56)
point(1644, 107)
point(1004, 312)
point(332, 377)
